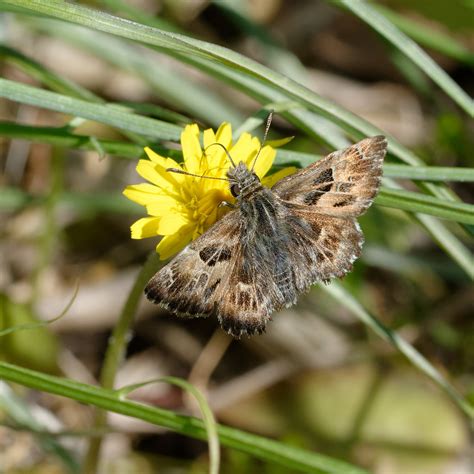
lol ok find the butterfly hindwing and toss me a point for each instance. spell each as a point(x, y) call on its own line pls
point(261, 279)
point(326, 246)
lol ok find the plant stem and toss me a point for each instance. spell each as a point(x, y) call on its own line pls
point(115, 354)
point(49, 237)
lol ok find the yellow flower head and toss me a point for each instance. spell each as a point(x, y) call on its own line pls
point(182, 207)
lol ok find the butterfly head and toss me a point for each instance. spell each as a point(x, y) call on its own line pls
point(242, 181)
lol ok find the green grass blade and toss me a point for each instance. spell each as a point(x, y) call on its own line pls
point(344, 297)
point(129, 10)
point(388, 30)
point(421, 203)
point(207, 415)
point(449, 242)
point(45, 76)
point(183, 45)
point(415, 173)
point(418, 203)
point(62, 136)
point(429, 173)
point(209, 421)
point(109, 114)
point(427, 36)
point(169, 84)
point(292, 458)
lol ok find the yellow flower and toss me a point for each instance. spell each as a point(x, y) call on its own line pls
point(182, 207)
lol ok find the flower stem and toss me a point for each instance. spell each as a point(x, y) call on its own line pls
point(115, 354)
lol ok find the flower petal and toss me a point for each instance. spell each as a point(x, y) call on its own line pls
point(171, 223)
point(145, 227)
point(224, 134)
point(192, 152)
point(166, 205)
point(264, 161)
point(218, 163)
point(142, 193)
point(270, 181)
point(211, 201)
point(161, 160)
point(172, 244)
point(181, 207)
point(279, 142)
point(158, 175)
point(208, 138)
point(244, 149)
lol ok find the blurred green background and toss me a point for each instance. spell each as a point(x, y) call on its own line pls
point(319, 378)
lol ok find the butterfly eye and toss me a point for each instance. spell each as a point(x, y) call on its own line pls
point(235, 190)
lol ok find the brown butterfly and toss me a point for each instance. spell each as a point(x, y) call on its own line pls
point(276, 243)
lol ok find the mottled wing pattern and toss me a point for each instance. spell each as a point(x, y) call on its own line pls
point(191, 284)
point(343, 184)
point(250, 296)
point(322, 247)
point(323, 201)
point(261, 278)
point(258, 258)
point(214, 276)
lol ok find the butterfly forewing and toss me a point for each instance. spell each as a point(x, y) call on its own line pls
point(342, 184)
point(276, 244)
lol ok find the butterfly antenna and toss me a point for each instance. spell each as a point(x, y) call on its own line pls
point(178, 171)
point(267, 128)
point(225, 150)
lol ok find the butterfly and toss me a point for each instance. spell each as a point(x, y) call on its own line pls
point(276, 243)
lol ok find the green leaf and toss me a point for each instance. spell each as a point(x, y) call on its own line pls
point(47, 77)
point(431, 37)
point(417, 202)
point(110, 114)
point(185, 47)
point(62, 136)
point(389, 31)
point(209, 420)
point(429, 173)
point(168, 83)
point(295, 459)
